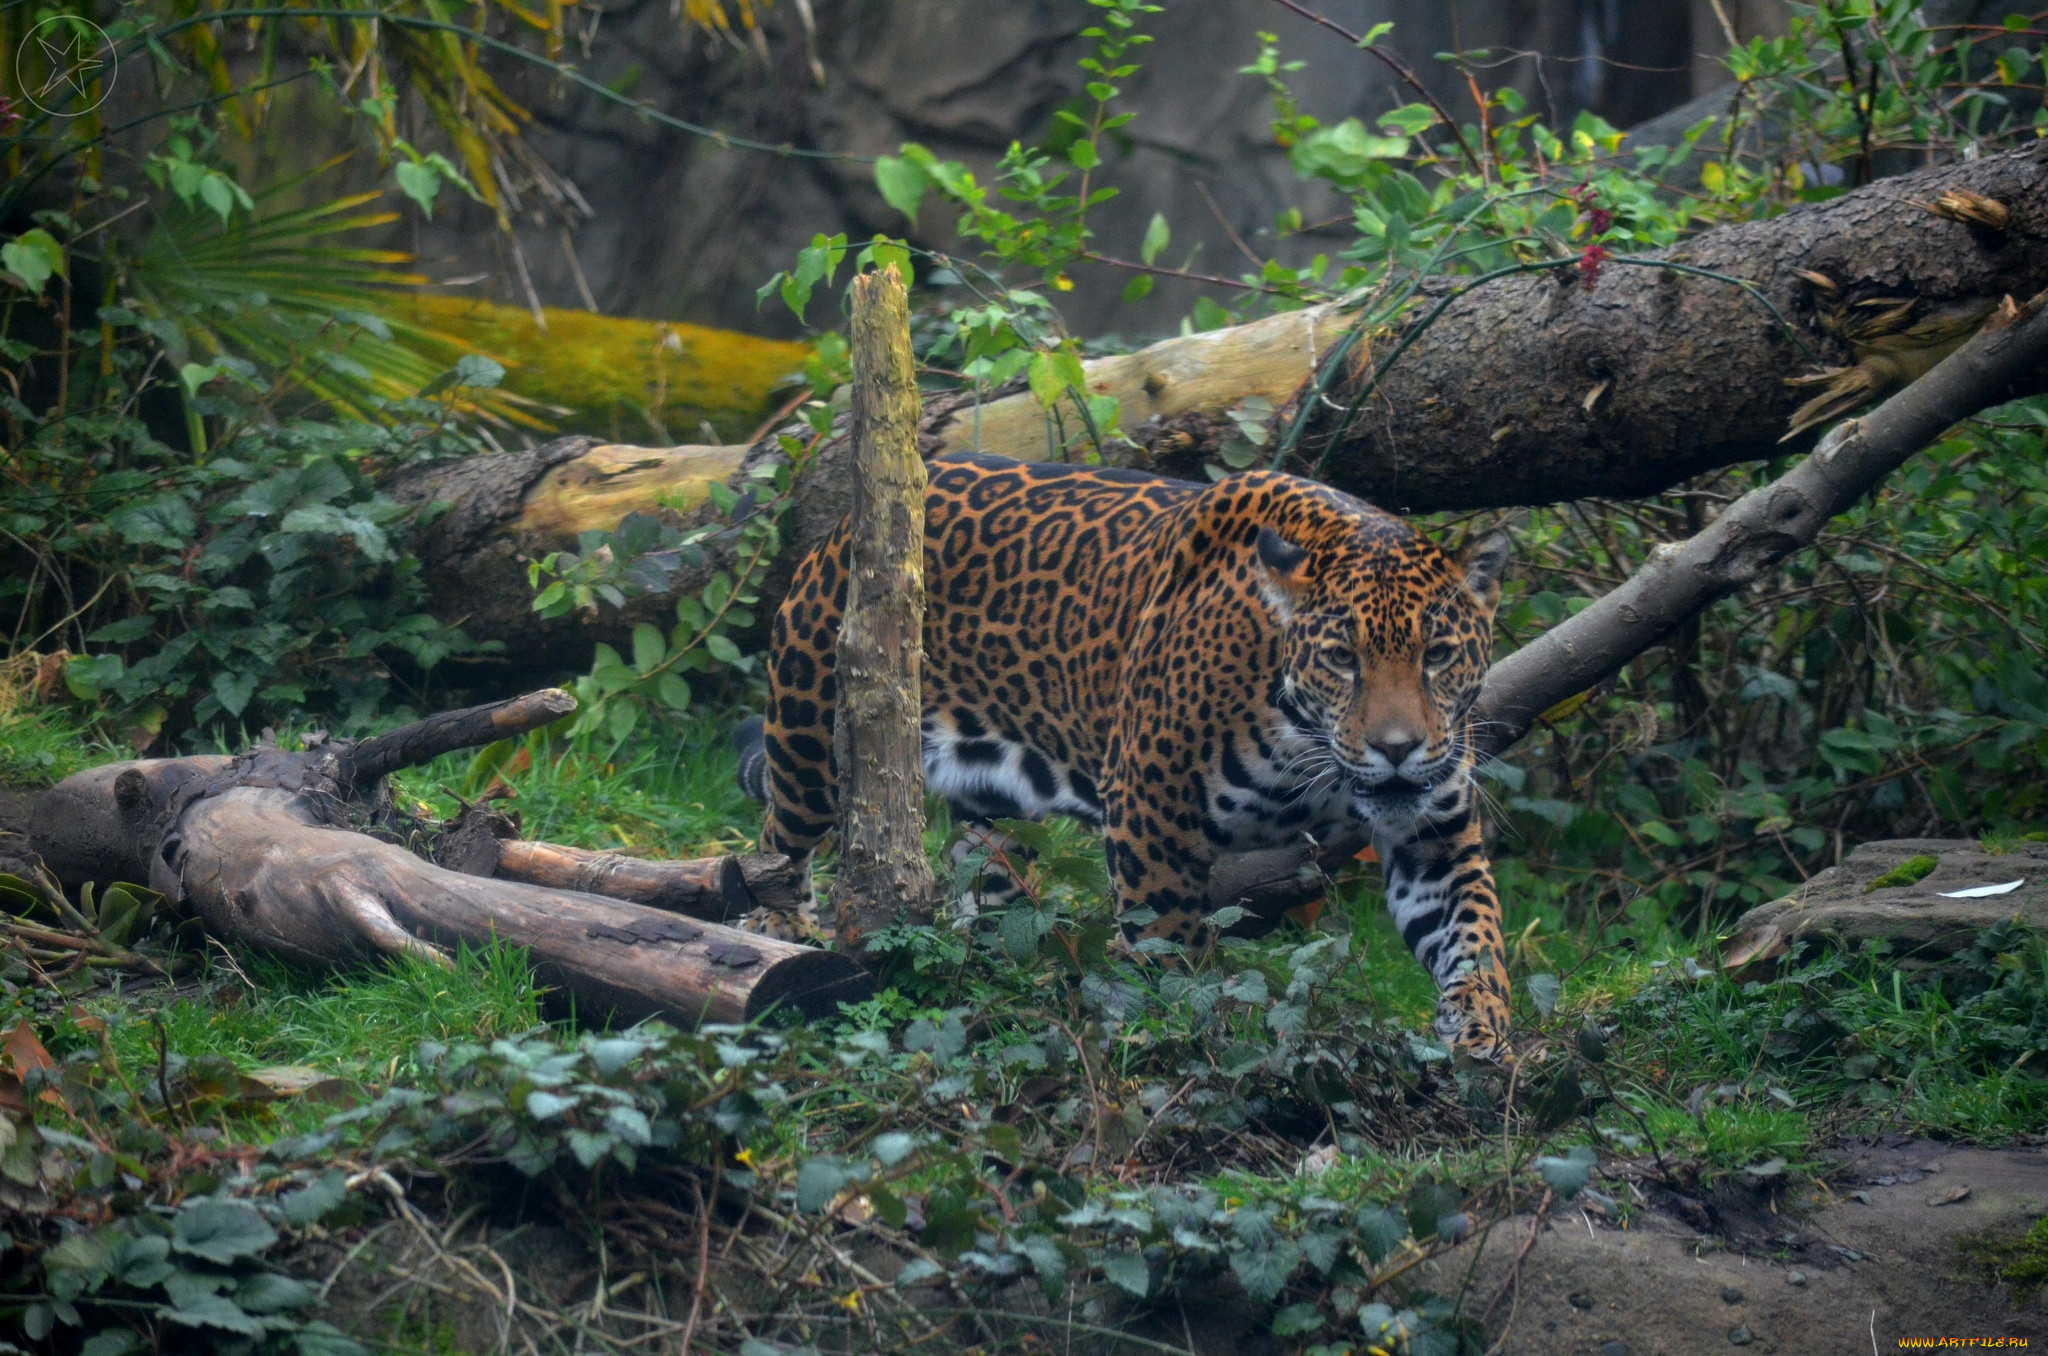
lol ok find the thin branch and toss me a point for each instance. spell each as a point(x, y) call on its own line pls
point(1393, 64)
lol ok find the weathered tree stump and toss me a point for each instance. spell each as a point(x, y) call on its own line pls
point(876, 740)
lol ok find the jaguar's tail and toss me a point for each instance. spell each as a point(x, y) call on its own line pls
point(751, 741)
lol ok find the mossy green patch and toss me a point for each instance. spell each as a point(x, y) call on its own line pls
point(2021, 1263)
point(1909, 872)
point(619, 377)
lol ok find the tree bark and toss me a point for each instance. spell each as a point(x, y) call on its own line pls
point(259, 847)
point(876, 741)
point(1528, 390)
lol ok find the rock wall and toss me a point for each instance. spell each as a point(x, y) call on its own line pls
point(682, 228)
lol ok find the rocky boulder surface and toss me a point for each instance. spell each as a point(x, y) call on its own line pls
point(1885, 891)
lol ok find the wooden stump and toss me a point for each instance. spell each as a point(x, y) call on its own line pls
point(880, 753)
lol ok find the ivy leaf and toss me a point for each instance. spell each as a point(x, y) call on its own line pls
point(1567, 1176)
point(315, 1201)
point(546, 1105)
point(817, 1182)
point(32, 257)
point(590, 1147)
point(419, 181)
point(1047, 1260)
point(220, 1231)
point(233, 690)
point(903, 183)
point(894, 1147)
point(1128, 1272)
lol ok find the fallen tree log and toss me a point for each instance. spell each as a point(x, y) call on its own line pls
point(263, 847)
point(1530, 390)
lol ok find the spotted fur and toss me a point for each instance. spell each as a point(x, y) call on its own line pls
point(1197, 669)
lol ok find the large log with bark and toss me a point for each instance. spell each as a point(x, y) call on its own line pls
point(264, 848)
point(1529, 390)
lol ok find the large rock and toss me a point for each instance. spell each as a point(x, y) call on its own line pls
point(1841, 905)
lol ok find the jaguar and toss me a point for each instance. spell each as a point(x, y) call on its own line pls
point(1197, 670)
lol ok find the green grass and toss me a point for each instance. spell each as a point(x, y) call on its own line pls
point(1829, 1049)
point(672, 793)
point(42, 745)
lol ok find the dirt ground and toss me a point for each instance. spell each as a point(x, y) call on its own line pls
point(1874, 1259)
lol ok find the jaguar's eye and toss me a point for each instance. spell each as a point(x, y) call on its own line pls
point(1439, 655)
point(1339, 658)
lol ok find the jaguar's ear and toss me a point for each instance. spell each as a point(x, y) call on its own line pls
point(1485, 561)
point(1285, 569)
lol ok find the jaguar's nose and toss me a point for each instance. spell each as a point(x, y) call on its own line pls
point(1394, 751)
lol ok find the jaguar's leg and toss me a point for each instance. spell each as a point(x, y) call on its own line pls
point(1152, 868)
point(802, 780)
point(1441, 894)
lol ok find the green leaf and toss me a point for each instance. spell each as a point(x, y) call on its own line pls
point(164, 520)
point(318, 1199)
point(1047, 1260)
point(1428, 1204)
point(1410, 118)
point(268, 1292)
point(1083, 155)
point(472, 371)
point(220, 1231)
point(623, 720)
point(1379, 1231)
point(112, 1342)
point(1158, 235)
point(324, 1339)
point(903, 183)
point(650, 647)
point(233, 690)
point(547, 1105)
point(1263, 1270)
point(1138, 288)
point(1567, 1176)
point(818, 1181)
point(123, 631)
point(218, 193)
point(894, 1147)
point(722, 648)
point(214, 1311)
point(32, 257)
point(1019, 931)
point(1295, 1320)
point(674, 692)
point(1128, 1272)
point(420, 182)
point(1543, 990)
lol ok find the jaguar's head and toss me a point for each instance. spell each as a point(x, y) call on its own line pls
point(1387, 638)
